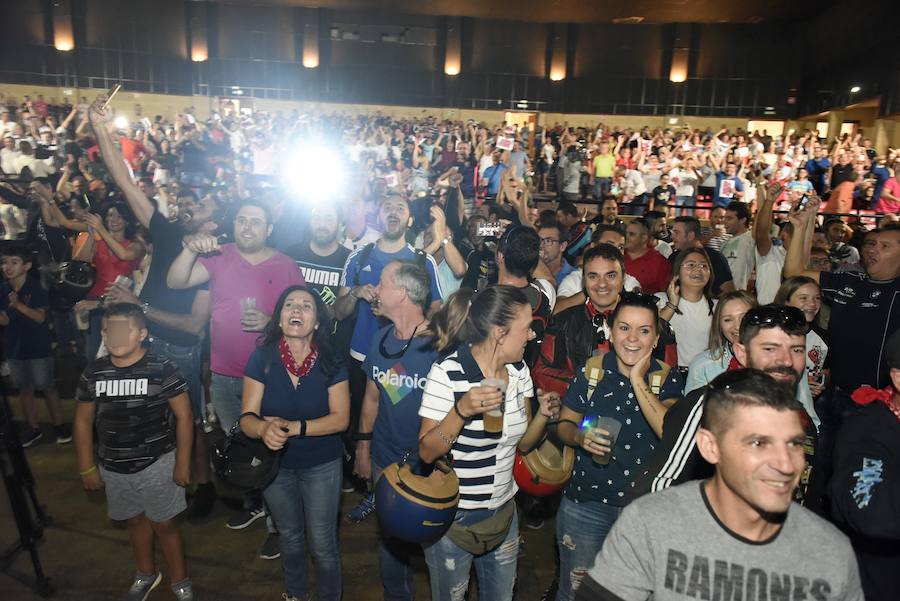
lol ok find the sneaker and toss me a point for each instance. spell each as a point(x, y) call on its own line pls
point(184, 591)
point(347, 484)
point(63, 433)
point(270, 548)
point(202, 502)
point(363, 510)
point(241, 520)
point(31, 436)
point(142, 585)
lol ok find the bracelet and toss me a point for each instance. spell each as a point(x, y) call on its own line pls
point(674, 308)
point(448, 439)
point(446, 241)
point(459, 413)
point(88, 470)
point(360, 436)
point(302, 431)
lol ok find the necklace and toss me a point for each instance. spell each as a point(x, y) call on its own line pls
point(401, 352)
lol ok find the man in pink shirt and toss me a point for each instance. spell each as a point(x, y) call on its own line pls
point(889, 202)
point(241, 274)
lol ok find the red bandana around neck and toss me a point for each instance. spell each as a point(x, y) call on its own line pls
point(865, 395)
point(287, 358)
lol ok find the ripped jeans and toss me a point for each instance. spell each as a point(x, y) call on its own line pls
point(449, 566)
point(581, 529)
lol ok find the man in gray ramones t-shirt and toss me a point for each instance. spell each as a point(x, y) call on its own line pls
point(736, 536)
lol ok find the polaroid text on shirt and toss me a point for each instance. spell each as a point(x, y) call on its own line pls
point(396, 382)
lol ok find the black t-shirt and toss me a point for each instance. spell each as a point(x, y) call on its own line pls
point(166, 239)
point(470, 177)
point(663, 195)
point(481, 269)
point(135, 425)
point(721, 270)
point(323, 274)
point(25, 338)
point(864, 314)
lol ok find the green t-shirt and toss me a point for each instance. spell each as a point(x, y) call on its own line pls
point(604, 165)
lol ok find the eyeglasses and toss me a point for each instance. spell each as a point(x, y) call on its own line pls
point(549, 241)
point(692, 265)
point(776, 316)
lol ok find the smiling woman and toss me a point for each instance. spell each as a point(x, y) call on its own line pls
point(296, 399)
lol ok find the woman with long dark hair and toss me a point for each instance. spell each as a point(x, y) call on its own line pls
point(477, 407)
point(688, 304)
point(111, 246)
point(296, 398)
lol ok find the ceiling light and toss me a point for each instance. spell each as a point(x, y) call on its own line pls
point(855, 89)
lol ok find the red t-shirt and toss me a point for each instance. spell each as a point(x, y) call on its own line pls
point(109, 267)
point(131, 150)
point(651, 269)
point(889, 206)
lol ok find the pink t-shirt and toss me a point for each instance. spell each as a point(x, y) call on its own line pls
point(232, 278)
point(889, 206)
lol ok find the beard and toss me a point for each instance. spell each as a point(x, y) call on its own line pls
point(785, 371)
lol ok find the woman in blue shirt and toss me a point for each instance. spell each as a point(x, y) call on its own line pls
point(301, 398)
point(634, 389)
point(724, 331)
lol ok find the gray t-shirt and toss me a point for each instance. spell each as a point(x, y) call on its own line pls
point(669, 546)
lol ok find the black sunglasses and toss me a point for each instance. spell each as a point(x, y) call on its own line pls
point(776, 316)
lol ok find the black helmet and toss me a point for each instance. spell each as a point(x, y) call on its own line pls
point(71, 281)
point(245, 462)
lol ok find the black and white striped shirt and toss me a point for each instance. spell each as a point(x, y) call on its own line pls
point(483, 461)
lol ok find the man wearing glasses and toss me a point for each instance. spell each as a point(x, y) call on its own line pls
point(553, 246)
point(772, 340)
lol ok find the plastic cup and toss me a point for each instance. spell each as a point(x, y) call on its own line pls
point(613, 426)
point(493, 420)
point(247, 304)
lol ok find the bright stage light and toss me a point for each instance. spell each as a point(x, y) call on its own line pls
point(121, 122)
point(314, 172)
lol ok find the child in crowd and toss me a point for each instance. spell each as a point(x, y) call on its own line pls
point(143, 417)
point(26, 342)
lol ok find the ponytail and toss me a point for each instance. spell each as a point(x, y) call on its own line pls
point(468, 316)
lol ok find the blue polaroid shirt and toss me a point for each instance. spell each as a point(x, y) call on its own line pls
point(25, 338)
point(400, 380)
point(614, 397)
point(309, 400)
point(370, 273)
point(725, 189)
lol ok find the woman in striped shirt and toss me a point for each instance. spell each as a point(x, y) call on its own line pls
point(482, 336)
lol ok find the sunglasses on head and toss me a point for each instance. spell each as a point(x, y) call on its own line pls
point(776, 316)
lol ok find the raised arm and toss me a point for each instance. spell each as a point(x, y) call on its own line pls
point(762, 226)
point(186, 271)
point(797, 257)
point(141, 205)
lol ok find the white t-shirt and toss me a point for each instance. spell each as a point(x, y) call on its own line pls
point(768, 274)
point(572, 284)
point(691, 328)
point(740, 253)
point(664, 248)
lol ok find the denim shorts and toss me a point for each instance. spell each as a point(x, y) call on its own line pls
point(32, 373)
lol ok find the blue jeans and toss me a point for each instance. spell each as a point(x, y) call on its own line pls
point(681, 201)
point(394, 559)
point(187, 360)
point(601, 187)
point(581, 529)
point(449, 566)
point(305, 505)
point(226, 392)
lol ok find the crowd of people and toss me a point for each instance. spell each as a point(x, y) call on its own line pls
point(699, 317)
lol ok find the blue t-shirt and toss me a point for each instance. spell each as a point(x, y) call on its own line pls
point(614, 397)
point(370, 273)
point(308, 401)
point(494, 177)
point(400, 382)
point(565, 270)
point(725, 189)
point(25, 338)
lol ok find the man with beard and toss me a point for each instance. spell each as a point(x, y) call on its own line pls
point(737, 532)
point(772, 340)
point(245, 279)
point(321, 257)
point(176, 319)
point(660, 238)
point(358, 292)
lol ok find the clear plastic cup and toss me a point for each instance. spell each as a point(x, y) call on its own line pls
point(493, 420)
point(247, 304)
point(610, 425)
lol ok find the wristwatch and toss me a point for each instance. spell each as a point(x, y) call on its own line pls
point(145, 307)
point(446, 241)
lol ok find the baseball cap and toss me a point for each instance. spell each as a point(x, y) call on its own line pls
point(892, 354)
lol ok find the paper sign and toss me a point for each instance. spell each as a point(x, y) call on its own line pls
point(391, 180)
point(505, 143)
point(726, 189)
